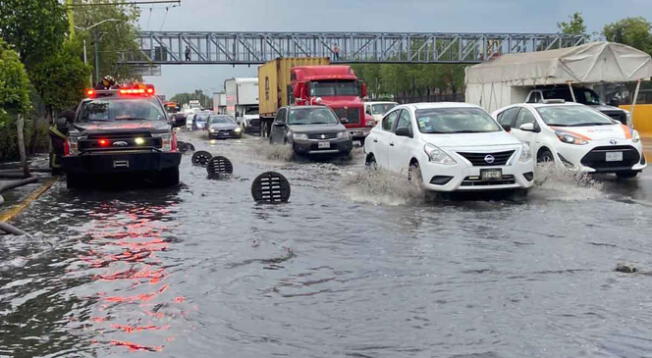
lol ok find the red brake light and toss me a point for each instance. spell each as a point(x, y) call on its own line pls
point(103, 142)
point(90, 92)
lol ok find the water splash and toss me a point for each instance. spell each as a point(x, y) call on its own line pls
point(556, 183)
point(381, 187)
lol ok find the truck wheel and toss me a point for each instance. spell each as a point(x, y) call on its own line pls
point(263, 129)
point(362, 141)
point(74, 180)
point(169, 177)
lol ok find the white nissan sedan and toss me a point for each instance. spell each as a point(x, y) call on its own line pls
point(576, 137)
point(449, 147)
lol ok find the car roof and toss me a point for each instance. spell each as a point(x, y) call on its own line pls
point(537, 105)
point(433, 105)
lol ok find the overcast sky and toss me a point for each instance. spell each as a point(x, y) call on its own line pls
point(362, 15)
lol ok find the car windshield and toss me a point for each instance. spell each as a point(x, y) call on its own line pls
point(572, 116)
point(106, 110)
point(334, 88)
point(221, 119)
point(303, 116)
point(382, 108)
point(201, 117)
point(582, 95)
point(455, 120)
point(251, 110)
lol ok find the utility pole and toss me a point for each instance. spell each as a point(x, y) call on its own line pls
point(96, 40)
point(71, 17)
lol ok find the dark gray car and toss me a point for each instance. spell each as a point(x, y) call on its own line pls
point(222, 126)
point(310, 130)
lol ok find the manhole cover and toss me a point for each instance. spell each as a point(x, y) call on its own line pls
point(219, 167)
point(270, 187)
point(201, 158)
point(185, 147)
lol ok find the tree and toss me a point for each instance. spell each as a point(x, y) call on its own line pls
point(183, 98)
point(60, 79)
point(632, 31)
point(114, 38)
point(14, 101)
point(35, 28)
point(574, 26)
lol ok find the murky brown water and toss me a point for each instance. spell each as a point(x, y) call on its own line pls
point(356, 265)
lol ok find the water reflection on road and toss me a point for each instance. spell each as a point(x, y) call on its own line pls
point(355, 265)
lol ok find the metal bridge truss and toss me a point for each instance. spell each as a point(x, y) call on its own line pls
point(247, 48)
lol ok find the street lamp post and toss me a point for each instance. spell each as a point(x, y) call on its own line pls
point(96, 45)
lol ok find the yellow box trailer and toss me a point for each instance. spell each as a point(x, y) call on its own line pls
point(274, 81)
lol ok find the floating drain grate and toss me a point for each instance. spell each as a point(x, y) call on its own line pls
point(201, 158)
point(270, 187)
point(219, 167)
point(185, 147)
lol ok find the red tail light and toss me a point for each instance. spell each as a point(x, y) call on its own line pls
point(174, 142)
point(66, 147)
point(103, 142)
point(90, 93)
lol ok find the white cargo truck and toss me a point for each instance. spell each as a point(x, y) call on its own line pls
point(242, 101)
point(219, 102)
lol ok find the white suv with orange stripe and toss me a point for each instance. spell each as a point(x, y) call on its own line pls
point(575, 136)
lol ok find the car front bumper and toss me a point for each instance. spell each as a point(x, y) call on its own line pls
point(591, 158)
point(224, 134)
point(464, 177)
point(120, 162)
point(312, 146)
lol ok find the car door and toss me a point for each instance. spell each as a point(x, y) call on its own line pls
point(279, 127)
point(381, 139)
point(525, 116)
point(400, 147)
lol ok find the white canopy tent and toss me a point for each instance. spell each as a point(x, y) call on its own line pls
point(491, 84)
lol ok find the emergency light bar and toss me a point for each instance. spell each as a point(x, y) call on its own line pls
point(139, 89)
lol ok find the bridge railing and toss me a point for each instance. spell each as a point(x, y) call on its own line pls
point(354, 47)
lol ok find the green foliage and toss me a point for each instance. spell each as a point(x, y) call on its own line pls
point(14, 83)
point(60, 78)
point(35, 28)
point(113, 37)
point(574, 26)
point(632, 31)
point(183, 98)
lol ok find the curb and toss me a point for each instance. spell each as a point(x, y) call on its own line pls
point(11, 213)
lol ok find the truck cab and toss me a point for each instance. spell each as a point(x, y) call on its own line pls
point(120, 131)
point(337, 87)
point(582, 95)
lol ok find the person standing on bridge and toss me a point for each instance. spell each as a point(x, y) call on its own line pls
point(336, 51)
point(188, 53)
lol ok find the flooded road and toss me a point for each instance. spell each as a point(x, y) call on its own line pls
point(356, 265)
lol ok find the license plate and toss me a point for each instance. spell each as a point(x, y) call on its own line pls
point(614, 156)
point(324, 145)
point(491, 174)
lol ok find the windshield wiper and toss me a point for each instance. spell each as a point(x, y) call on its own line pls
point(589, 124)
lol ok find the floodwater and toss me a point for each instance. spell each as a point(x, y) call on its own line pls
point(356, 265)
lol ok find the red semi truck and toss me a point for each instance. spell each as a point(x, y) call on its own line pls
point(312, 81)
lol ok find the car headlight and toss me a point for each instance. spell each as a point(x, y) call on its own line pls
point(343, 134)
point(237, 130)
point(211, 130)
point(300, 136)
point(526, 154)
point(570, 138)
point(436, 155)
point(635, 136)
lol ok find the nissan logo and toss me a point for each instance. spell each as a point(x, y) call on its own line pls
point(613, 141)
point(323, 136)
point(120, 143)
point(489, 159)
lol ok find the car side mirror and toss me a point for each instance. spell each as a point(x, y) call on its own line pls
point(344, 120)
point(527, 127)
point(507, 127)
point(368, 111)
point(62, 124)
point(403, 132)
point(279, 124)
point(178, 120)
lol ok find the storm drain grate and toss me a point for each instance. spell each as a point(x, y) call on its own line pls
point(271, 188)
point(201, 158)
point(219, 167)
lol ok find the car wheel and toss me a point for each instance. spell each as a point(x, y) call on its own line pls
point(74, 180)
point(627, 175)
point(169, 177)
point(370, 162)
point(545, 156)
point(414, 174)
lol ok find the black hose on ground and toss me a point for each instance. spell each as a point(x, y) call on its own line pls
point(17, 183)
point(11, 229)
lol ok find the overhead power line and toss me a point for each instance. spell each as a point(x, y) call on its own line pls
point(127, 3)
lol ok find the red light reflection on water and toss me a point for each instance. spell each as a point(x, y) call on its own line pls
point(137, 234)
